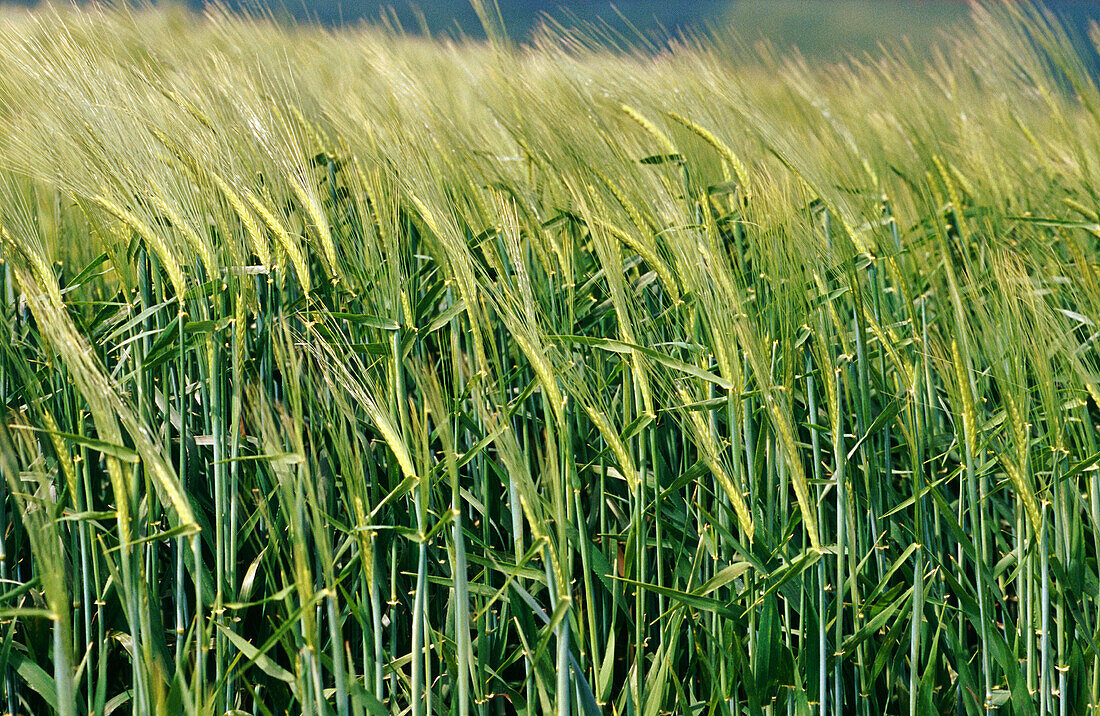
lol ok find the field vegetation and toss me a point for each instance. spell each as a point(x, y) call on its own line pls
point(343, 372)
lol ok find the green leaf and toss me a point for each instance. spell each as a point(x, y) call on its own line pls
point(118, 451)
point(87, 271)
point(258, 658)
point(884, 417)
point(446, 316)
point(383, 324)
point(35, 677)
point(663, 159)
point(626, 348)
point(688, 599)
point(876, 622)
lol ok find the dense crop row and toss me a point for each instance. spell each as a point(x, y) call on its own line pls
point(348, 373)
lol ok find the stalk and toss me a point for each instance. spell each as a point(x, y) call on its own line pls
point(815, 442)
point(839, 465)
point(1044, 619)
point(917, 616)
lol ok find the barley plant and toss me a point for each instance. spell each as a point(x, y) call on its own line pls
point(347, 372)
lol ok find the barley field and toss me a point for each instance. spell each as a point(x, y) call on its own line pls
point(346, 372)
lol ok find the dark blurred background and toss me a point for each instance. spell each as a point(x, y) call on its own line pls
point(824, 29)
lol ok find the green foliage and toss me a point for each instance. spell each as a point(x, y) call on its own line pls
point(350, 373)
